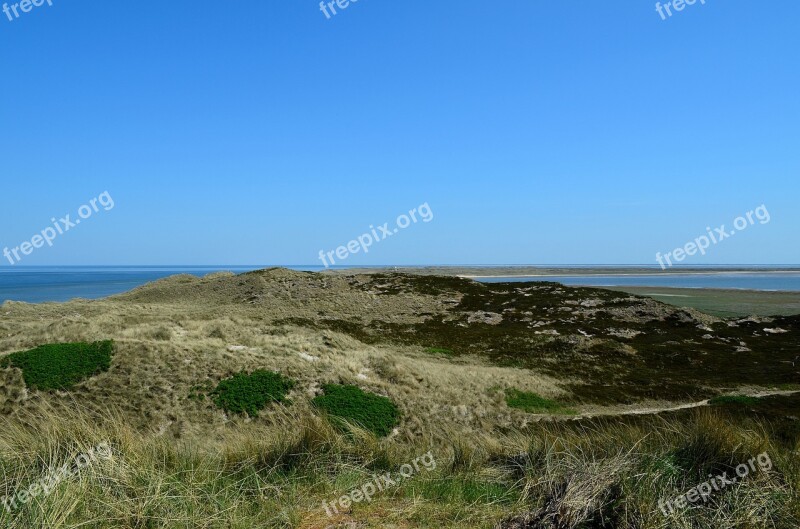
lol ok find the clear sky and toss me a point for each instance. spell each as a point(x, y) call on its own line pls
point(261, 132)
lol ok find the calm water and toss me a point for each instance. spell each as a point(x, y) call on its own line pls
point(46, 283)
point(39, 284)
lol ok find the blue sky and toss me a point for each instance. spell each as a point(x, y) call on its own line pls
point(260, 132)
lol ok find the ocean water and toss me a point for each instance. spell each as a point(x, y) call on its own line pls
point(35, 284)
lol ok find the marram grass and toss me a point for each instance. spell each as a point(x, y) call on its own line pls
point(569, 475)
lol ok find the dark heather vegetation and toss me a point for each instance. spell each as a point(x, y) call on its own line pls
point(61, 365)
point(622, 348)
point(741, 400)
point(349, 403)
point(251, 392)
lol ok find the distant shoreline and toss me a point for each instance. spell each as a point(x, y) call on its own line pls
point(594, 272)
point(523, 271)
point(54, 284)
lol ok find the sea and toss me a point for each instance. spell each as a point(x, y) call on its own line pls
point(38, 284)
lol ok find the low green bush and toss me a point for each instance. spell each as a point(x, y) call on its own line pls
point(61, 365)
point(533, 403)
point(439, 350)
point(349, 403)
point(741, 400)
point(251, 392)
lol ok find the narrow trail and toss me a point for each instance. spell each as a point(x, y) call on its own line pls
point(654, 411)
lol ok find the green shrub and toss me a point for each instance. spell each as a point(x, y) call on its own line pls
point(61, 365)
point(439, 350)
point(533, 403)
point(742, 400)
point(367, 410)
point(249, 393)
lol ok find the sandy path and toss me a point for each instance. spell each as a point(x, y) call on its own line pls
point(652, 411)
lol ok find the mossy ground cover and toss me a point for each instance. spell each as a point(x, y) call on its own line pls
point(61, 365)
point(349, 403)
point(533, 403)
point(251, 392)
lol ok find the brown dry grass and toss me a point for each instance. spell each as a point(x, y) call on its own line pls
point(163, 350)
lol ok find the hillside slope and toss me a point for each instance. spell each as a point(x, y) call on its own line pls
point(443, 348)
point(538, 406)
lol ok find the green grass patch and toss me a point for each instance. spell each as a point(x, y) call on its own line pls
point(251, 392)
point(61, 365)
point(739, 400)
point(462, 490)
point(533, 403)
point(439, 351)
point(372, 412)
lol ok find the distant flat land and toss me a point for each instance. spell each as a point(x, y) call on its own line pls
point(722, 302)
point(714, 301)
point(517, 271)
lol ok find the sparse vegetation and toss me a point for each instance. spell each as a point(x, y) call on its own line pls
point(251, 392)
point(61, 365)
point(369, 411)
point(162, 333)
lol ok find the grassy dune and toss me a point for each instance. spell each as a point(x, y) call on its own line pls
point(235, 401)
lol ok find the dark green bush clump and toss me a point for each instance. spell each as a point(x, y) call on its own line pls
point(742, 400)
point(61, 365)
point(369, 411)
point(249, 393)
point(439, 350)
point(533, 403)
